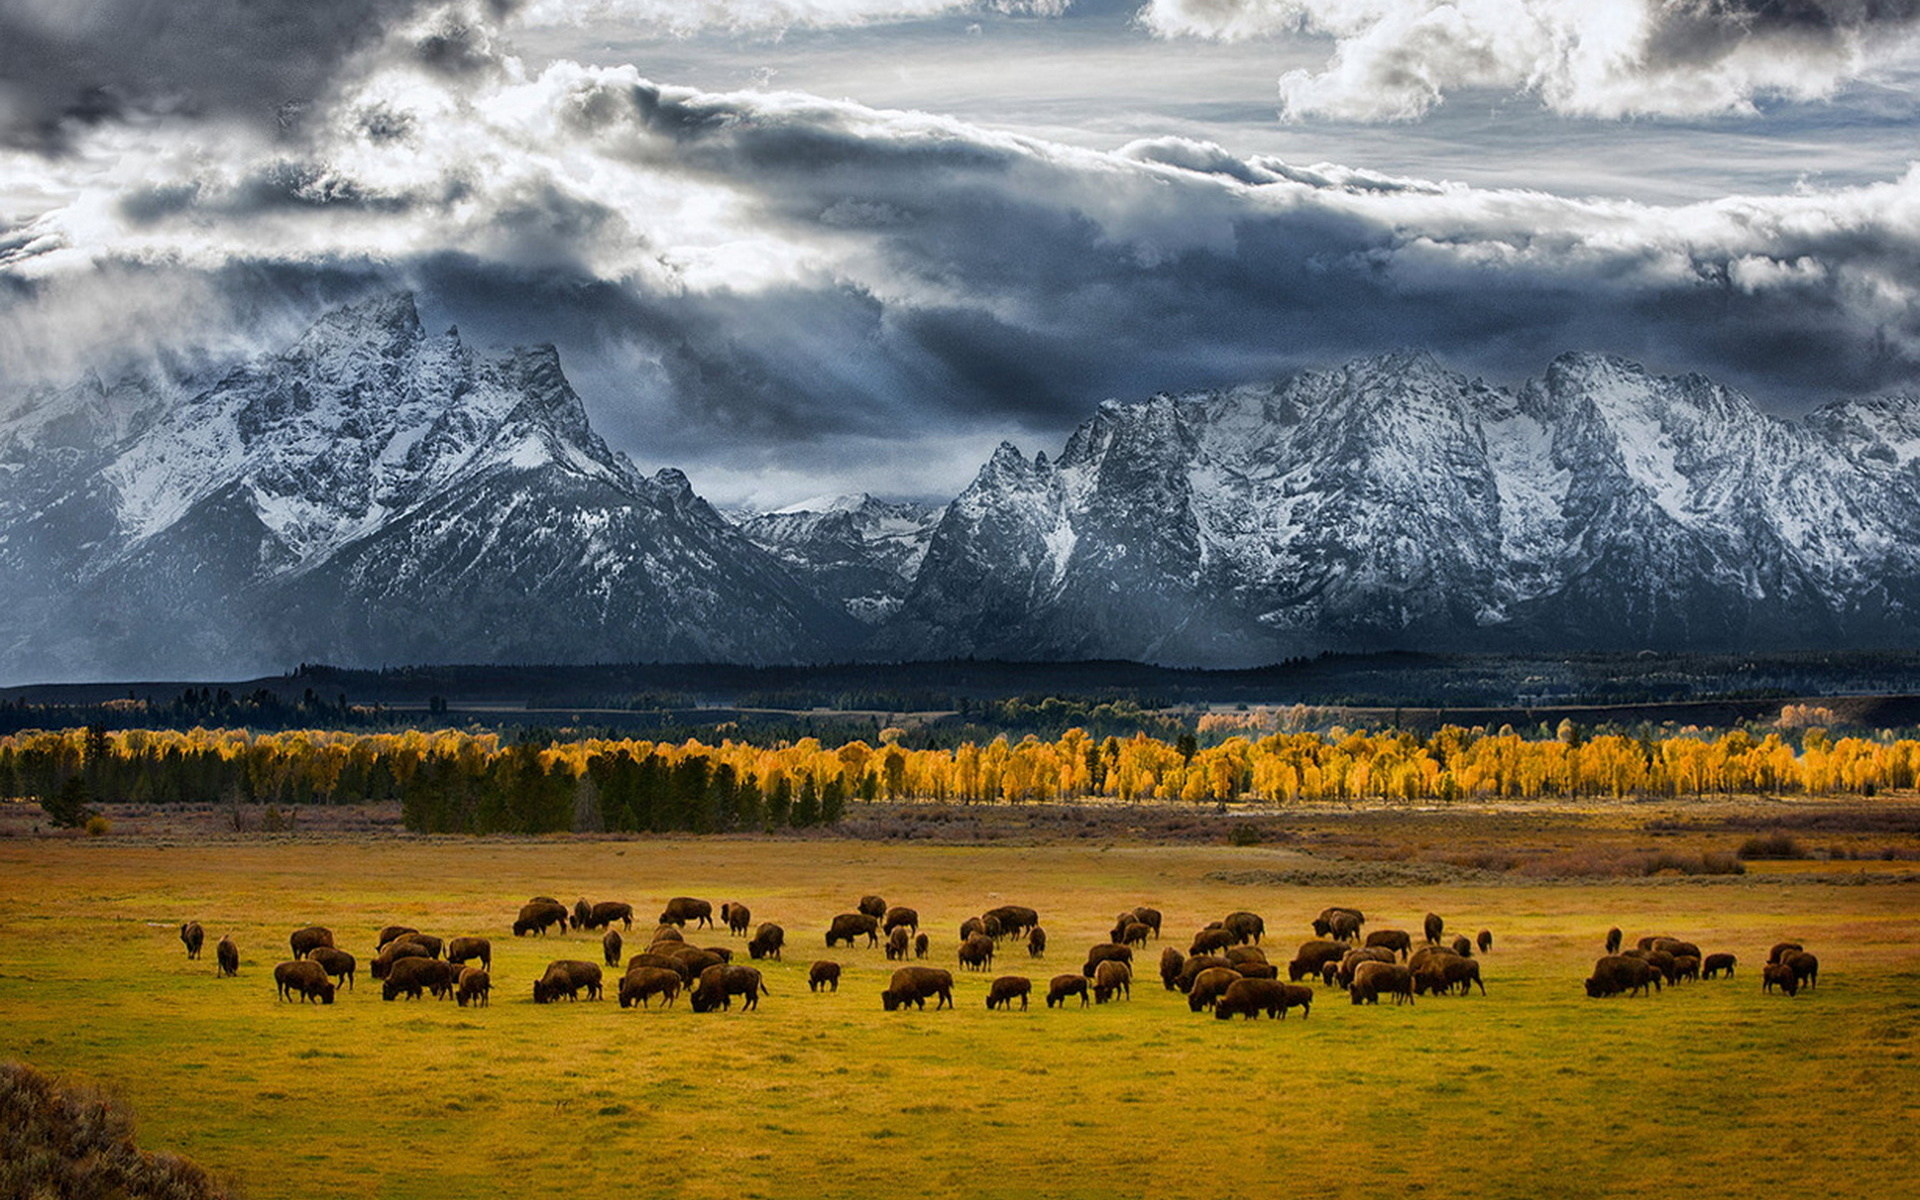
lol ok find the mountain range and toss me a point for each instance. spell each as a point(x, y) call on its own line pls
point(375, 494)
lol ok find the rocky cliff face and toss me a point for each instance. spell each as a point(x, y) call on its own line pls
point(854, 551)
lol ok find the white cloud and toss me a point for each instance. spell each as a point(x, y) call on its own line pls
point(683, 17)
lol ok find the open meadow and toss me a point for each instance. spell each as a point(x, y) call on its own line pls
point(1707, 1089)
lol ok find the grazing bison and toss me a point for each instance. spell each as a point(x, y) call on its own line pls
point(1435, 925)
point(1342, 972)
point(606, 912)
point(565, 977)
point(474, 987)
point(1782, 949)
point(466, 949)
point(192, 936)
point(227, 956)
point(899, 944)
point(581, 911)
point(304, 940)
point(1014, 919)
point(1171, 960)
point(390, 933)
point(873, 906)
point(1036, 942)
point(1484, 940)
point(1208, 985)
point(718, 985)
point(1371, 979)
point(1209, 940)
point(610, 947)
point(900, 916)
point(1250, 997)
point(976, 953)
point(767, 941)
point(912, 985)
point(1462, 945)
point(1135, 934)
point(1781, 975)
point(1150, 917)
point(682, 909)
point(1398, 940)
point(1313, 956)
point(1244, 926)
point(823, 974)
point(426, 941)
point(1002, 992)
point(1190, 970)
point(920, 943)
point(1063, 986)
point(1109, 977)
point(1618, 973)
point(641, 984)
point(336, 963)
point(1447, 972)
point(538, 915)
point(405, 948)
point(1805, 968)
point(1613, 940)
point(1105, 952)
point(848, 926)
point(1676, 947)
point(1339, 923)
point(1685, 966)
point(303, 977)
point(664, 962)
point(695, 960)
point(971, 926)
point(1716, 963)
point(736, 917)
point(991, 926)
point(412, 976)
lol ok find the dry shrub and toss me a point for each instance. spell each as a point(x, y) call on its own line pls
point(1775, 845)
point(78, 1142)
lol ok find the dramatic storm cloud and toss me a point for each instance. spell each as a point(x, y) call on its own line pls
point(786, 294)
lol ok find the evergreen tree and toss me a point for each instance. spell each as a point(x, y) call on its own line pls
point(806, 807)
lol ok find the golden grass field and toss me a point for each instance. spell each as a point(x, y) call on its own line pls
point(1710, 1089)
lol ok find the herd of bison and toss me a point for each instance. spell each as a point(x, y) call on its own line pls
point(1224, 970)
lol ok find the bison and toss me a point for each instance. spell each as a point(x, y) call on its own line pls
point(1191, 969)
point(396, 951)
point(1714, 964)
point(1135, 934)
point(1398, 940)
point(391, 933)
point(1370, 979)
point(1109, 977)
point(1805, 968)
point(641, 984)
point(976, 953)
point(336, 963)
point(538, 915)
point(227, 957)
point(192, 935)
point(1350, 962)
point(1104, 952)
point(1171, 960)
point(1782, 949)
point(1685, 966)
point(1013, 918)
point(1339, 923)
point(1435, 925)
point(1244, 926)
point(718, 985)
point(1781, 975)
point(736, 916)
point(682, 909)
point(1613, 940)
point(873, 906)
point(1150, 917)
point(610, 947)
point(1618, 973)
point(664, 962)
point(1484, 940)
point(581, 911)
point(1004, 990)
point(1063, 986)
point(971, 926)
point(767, 941)
point(304, 977)
point(848, 926)
point(920, 943)
point(667, 933)
point(566, 977)
point(1208, 985)
point(1250, 997)
point(1209, 940)
point(606, 912)
point(1036, 942)
point(899, 944)
point(1314, 955)
point(304, 940)
point(900, 916)
point(474, 987)
point(1462, 945)
point(694, 960)
point(466, 949)
point(413, 976)
point(823, 974)
point(912, 985)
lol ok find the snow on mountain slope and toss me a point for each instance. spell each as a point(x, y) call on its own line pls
point(854, 551)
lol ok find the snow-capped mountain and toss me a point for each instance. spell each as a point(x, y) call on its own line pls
point(1392, 503)
point(854, 551)
point(372, 494)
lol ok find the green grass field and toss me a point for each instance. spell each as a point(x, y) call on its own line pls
point(1711, 1089)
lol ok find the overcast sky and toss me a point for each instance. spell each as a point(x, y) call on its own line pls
point(807, 246)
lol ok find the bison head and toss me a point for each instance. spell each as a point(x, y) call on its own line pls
point(889, 1000)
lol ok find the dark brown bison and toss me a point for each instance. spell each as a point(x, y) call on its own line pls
point(1613, 940)
point(192, 935)
point(1805, 968)
point(566, 977)
point(1257, 970)
point(1676, 947)
point(912, 985)
point(606, 912)
point(899, 944)
point(1171, 960)
point(1110, 977)
point(581, 911)
point(1119, 930)
point(641, 984)
point(723, 953)
point(1449, 972)
point(1660, 960)
point(1135, 934)
point(1002, 992)
point(426, 941)
point(1782, 949)
point(873, 906)
point(610, 947)
point(1208, 985)
point(1190, 969)
point(1350, 962)
point(1617, 973)
point(823, 974)
point(920, 943)
point(304, 977)
point(991, 926)
point(1063, 986)
point(1779, 974)
point(667, 933)
point(304, 940)
point(1312, 956)
point(900, 916)
point(767, 941)
point(976, 953)
point(848, 926)
point(1715, 964)
point(1250, 997)
point(1398, 940)
point(1685, 967)
point(412, 976)
point(474, 987)
point(971, 926)
point(1484, 940)
point(537, 916)
point(736, 916)
point(227, 957)
point(695, 960)
point(665, 962)
point(1244, 954)
point(1244, 926)
point(1371, 980)
point(1338, 923)
point(1036, 942)
point(1014, 919)
point(405, 948)
point(718, 985)
point(1104, 952)
point(682, 909)
point(1208, 941)
point(336, 963)
point(390, 932)
point(466, 949)
point(1150, 917)
point(1462, 945)
point(1434, 925)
